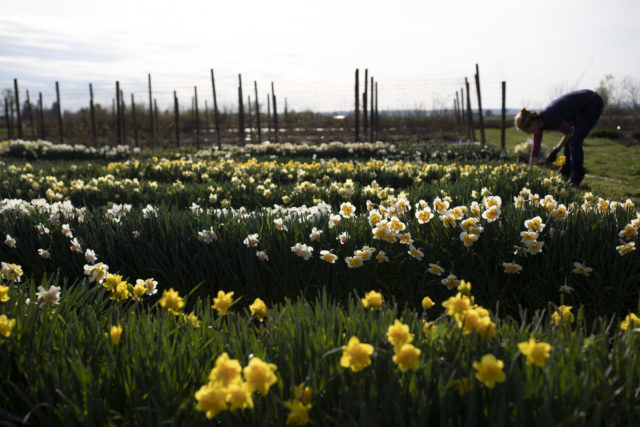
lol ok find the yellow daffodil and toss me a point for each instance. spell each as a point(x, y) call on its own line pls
point(406, 357)
point(259, 375)
point(4, 293)
point(239, 396)
point(211, 399)
point(537, 353)
point(457, 306)
point(489, 370)
point(6, 326)
point(427, 303)
point(225, 370)
point(356, 355)
point(631, 320)
point(399, 334)
point(115, 334)
point(258, 309)
point(298, 413)
point(172, 301)
point(562, 314)
point(372, 300)
point(222, 302)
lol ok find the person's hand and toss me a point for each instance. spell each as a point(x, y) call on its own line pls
point(552, 156)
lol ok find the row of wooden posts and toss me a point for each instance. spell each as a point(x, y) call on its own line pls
point(464, 116)
point(369, 98)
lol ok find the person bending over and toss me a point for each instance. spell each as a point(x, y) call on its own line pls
point(574, 115)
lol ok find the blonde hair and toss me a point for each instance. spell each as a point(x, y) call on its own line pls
point(524, 118)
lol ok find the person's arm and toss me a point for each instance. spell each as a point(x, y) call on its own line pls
point(567, 132)
point(535, 149)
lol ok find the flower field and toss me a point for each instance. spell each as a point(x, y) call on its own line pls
point(336, 284)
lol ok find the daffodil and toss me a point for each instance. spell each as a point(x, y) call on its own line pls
point(415, 253)
point(451, 281)
point(347, 210)
point(457, 306)
point(382, 257)
point(537, 353)
point(239, 396)
point(6, 326)
point(534, 224)
point(631, 320)
point(489, 370)
point(222, 302)
point(406, 356)
point(4, 293)
point(626, 248)
point(259, 375)
point(435, 269)
point(172, 301)
point(581, 269)
point(372, 300)
point(399, 334)
point(115, 333)
point(258, 309)
point(427, 303)
point(354, 261)
point(225, 370)
point(10, 241)
point(512, 267)
point(49, 296)
point(298, 413)
point(211, 399)
point(562, 314)
point(356, 355)
point(11, 272)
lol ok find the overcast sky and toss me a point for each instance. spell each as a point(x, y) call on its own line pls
point(419, 52)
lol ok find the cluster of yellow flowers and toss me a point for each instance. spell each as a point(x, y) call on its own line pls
point(469, 317)
point(231, 386)
point(11, 273)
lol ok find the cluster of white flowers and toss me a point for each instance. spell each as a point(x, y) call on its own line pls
point(46, 149)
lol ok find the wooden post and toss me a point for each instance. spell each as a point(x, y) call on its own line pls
point(364, 104)
point(195, 100)
point(60, 129)
point(241, 134)
point(122, 115)
point(286, 115)
point(371, 121)
point(465, 131)
point(206, 120)
point(357, 108)
point(275, 113)
point(255, 87)
point(155, 114)
point(471, 134)
point(135, 122)
point(41, 108)
point(216, 118)
point(152, 129)
point(118, 121)
point(250, 123)
point(177, 117)
point(92, 113)
point(17, 99)
point(458, 113)
point(269, 115)
point(30, 110)
point(8, 120)
point(377, 115)
point(503, 120)
point(482, 136)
